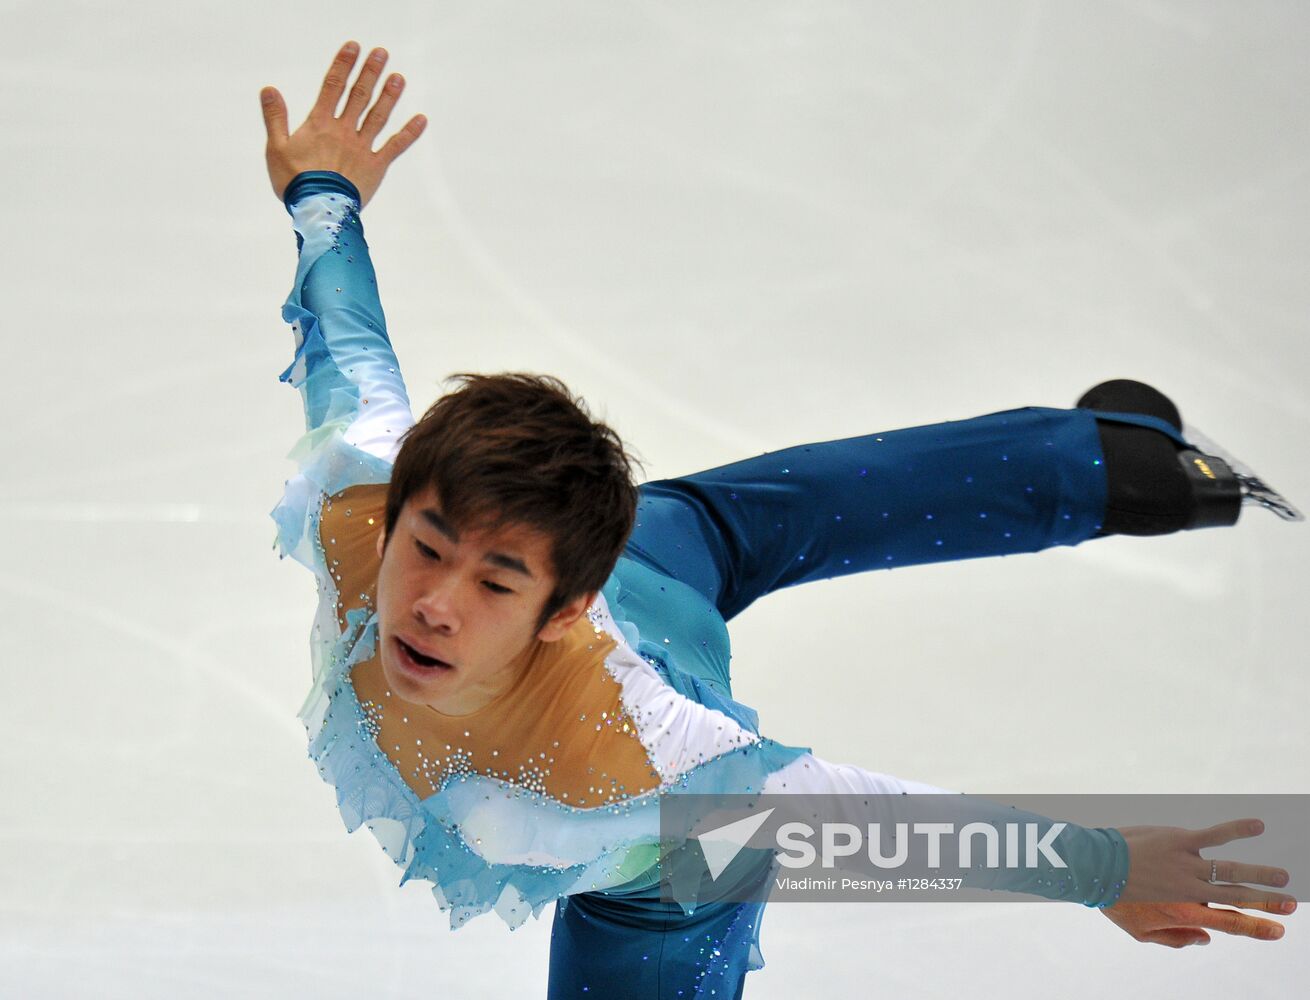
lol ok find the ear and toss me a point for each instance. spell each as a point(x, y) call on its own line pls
point(382, 542)
point(558, 624)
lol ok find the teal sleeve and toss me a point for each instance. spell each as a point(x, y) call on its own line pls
point(1078, 864)
point(1031, 854)
point(344, 365)
point(1096, 860)
point(355, 404)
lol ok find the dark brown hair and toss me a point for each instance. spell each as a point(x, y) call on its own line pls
point(515, 448)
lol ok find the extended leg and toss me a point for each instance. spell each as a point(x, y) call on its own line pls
point(1016, 481)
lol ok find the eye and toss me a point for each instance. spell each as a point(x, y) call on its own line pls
point(496, 588)
point(425, 551)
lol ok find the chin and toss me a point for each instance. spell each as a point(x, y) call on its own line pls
point(398, 682)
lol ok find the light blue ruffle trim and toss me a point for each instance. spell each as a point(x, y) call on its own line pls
point(328, 464)
point(604, 847)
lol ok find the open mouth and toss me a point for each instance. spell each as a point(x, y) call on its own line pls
point(418, 659)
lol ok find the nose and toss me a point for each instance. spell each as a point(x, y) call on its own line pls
point(436, 607)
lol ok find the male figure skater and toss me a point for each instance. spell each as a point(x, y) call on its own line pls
point(517, 653)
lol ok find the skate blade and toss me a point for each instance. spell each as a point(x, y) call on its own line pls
point(1255, 491)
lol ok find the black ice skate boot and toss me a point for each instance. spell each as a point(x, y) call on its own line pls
point(1164, 476)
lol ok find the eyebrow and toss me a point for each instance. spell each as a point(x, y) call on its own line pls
point(512, 563)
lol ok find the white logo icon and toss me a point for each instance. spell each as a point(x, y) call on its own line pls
point(723, 843)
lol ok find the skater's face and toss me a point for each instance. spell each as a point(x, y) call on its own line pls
point(458, 611)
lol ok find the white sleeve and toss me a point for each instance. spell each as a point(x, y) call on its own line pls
point(811, 775)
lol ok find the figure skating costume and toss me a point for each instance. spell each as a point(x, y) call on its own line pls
point(551, 792)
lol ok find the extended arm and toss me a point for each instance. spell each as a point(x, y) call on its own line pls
point(1097, 859)
point(704, 750)
point(1151, 881)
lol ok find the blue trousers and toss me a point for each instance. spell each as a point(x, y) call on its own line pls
point(707, 545)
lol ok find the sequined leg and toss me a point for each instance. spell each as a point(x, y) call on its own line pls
point(1016, 481)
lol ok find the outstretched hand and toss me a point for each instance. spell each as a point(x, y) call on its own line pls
point(328, 141)
point(1176, 925)
point(1168, 894)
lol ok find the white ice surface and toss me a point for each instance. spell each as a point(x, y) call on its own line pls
point(733, 226)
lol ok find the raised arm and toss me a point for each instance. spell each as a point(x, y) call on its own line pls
point(325, 173)
point(356, 407)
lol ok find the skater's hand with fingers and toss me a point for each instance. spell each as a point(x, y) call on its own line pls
point(328, 141)
point(1167, 895)
point(1176, 925)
